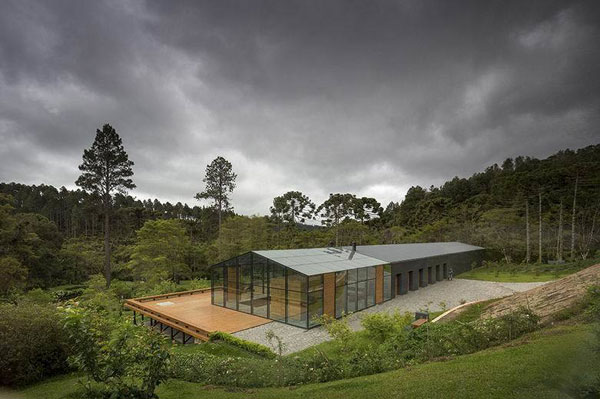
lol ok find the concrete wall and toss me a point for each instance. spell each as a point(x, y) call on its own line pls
point(459, 263)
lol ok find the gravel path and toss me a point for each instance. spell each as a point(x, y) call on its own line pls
point(432, 297)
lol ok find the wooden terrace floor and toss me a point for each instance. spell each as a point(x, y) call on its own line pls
point(193, 311)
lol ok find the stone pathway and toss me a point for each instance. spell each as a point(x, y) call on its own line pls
point(434, 297)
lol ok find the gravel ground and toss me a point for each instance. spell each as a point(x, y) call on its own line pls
point(433, 297)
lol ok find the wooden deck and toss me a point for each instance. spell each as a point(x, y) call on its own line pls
point(192, 313)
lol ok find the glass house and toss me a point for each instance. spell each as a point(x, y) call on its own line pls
point(297, 286)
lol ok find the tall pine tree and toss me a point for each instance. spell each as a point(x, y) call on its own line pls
point(106, 169)
point(220, 181)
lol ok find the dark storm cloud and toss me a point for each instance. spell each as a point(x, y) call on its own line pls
point(365, 97)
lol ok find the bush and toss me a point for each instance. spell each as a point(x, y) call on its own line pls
point(32, 343)
point(251, 347)
point(237, 371)
point(382, 326)
point(121, 360)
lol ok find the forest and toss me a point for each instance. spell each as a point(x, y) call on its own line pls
point(526, 210)
point(70, 258)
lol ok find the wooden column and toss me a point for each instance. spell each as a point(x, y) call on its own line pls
point(329, 294)
point(379, 284)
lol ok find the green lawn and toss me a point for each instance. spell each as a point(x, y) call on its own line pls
point(526, 273)
point(509, 277)
point(547, 364)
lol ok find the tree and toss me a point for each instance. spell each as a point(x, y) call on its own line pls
point(220, 181)
point(335, 209)
point(292, 207)
point(106, 169)
point(160, 251)
point(366, 208)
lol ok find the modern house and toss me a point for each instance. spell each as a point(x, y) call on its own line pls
point(296, 286)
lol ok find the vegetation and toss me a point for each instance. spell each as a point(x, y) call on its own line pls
point(519, 273)
point(61, 304)
point(106, 168)
point(32, 342)
point(220, 181)
point(549, 363)
point(248, 346)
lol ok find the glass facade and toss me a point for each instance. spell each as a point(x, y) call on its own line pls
point(354, 290)
point(387, 282)
point(255, 285)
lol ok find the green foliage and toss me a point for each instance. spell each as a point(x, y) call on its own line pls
point(338, 329)
point(381, 326)
point(292, 207)
point(80, 258)
point(32, 343)
point(13, 275)
point(160, 251)
point(220, 181)
point(120, 360)
point(251, 347)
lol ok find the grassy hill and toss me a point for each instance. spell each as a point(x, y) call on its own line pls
point(551, 363)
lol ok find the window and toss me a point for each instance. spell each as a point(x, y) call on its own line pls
point(232, 283)
point(297, 303)
point(259, 287)
point(315, 299)
point(217, 285)
point(245, 287)
point(276, 292)
point(355, 290)
point(371, 293)
point(387, 282)
point(340, 301)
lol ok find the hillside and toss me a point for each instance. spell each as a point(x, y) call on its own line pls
point(550, 298)
point(546, 364)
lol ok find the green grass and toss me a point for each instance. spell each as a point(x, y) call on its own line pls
point(473, 312)
point(214, 348)
point(526, 273)
point(509, 277)
point(545, 364)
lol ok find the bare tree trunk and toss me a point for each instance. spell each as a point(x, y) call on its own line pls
point(528, 255)
point(540, 227)
point(559, 244)
point(573, 220)
point(107, 271)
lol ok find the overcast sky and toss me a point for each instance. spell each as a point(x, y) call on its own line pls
point(367, 97)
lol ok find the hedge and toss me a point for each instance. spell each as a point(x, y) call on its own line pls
point(251, 347)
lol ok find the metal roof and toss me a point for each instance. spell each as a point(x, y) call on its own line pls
point(405, 252)
point(312, 261)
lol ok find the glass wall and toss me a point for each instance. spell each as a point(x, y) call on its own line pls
point(217, 281)
point(354, 290)
point(315, 299)
point(387, 282)
point(256, 285)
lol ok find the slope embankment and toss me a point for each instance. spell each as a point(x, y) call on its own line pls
point(549, 298)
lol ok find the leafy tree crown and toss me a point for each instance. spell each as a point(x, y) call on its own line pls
point(106, 166)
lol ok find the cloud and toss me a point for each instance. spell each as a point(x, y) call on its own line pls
point(321, 97)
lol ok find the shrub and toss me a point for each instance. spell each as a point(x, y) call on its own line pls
point(32, 343)
point(121, 360)
point(382, 326)
point(238, 372)
point(251, 347)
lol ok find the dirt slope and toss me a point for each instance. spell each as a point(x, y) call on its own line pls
point(549, 298)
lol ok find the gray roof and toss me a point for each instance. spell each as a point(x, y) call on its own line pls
point(314, 261)
point(405, 252)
